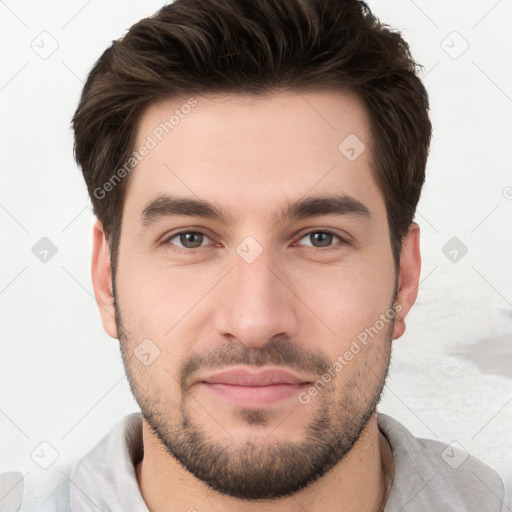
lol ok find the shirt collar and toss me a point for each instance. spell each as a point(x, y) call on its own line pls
point(105, 478)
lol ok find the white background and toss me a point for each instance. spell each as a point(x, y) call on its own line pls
point(61, 377)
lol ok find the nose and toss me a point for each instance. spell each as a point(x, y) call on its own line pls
point(256, 302)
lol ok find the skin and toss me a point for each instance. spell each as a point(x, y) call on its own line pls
point(251, 155)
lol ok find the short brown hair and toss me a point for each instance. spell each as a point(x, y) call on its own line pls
point(256, 47)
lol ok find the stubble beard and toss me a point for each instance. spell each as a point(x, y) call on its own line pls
point(267, 468)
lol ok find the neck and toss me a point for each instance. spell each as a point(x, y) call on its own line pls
point(359, 482)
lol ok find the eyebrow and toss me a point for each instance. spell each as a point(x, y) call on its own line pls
point(165, 206)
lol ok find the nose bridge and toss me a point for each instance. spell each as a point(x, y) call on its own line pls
point(254, 280)
point(257, 305)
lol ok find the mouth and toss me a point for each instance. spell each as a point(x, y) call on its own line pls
point(253, 388)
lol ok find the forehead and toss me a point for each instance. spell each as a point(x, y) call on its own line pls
point(251, 151)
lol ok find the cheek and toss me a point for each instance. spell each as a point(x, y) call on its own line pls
point(155, 298)
point(154, 383)
point(348, 297)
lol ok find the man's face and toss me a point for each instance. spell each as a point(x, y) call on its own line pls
point(198, 296)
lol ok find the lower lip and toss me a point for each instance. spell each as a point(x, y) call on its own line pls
point(254, 396)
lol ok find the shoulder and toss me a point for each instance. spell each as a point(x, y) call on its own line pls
point(431, 473)
point(38, 490)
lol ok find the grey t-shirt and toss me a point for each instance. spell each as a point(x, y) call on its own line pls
point(429, 477)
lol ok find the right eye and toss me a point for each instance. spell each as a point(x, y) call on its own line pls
point(188, 241)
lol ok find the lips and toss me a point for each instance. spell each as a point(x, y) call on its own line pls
point(252, 388)
point(254, 377)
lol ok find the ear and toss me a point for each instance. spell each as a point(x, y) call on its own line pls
point(102, 279)
point(408, 279)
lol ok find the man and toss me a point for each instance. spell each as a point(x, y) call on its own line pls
point(255, 169)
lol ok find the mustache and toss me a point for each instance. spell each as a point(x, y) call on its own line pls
point(277, 351)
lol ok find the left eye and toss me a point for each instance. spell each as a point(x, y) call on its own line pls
point(320, 239)
point(189, 239)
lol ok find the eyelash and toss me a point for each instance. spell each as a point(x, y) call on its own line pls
point(166, 241)
point(333, 247)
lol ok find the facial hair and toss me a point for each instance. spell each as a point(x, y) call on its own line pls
point(254, 470)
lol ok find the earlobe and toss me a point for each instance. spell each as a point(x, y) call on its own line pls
point(408, 279)
point(101, 272)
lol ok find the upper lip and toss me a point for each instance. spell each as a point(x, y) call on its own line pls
point(253, 377)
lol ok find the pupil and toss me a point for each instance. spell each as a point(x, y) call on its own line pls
point(195, 239)
point(323, 238)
